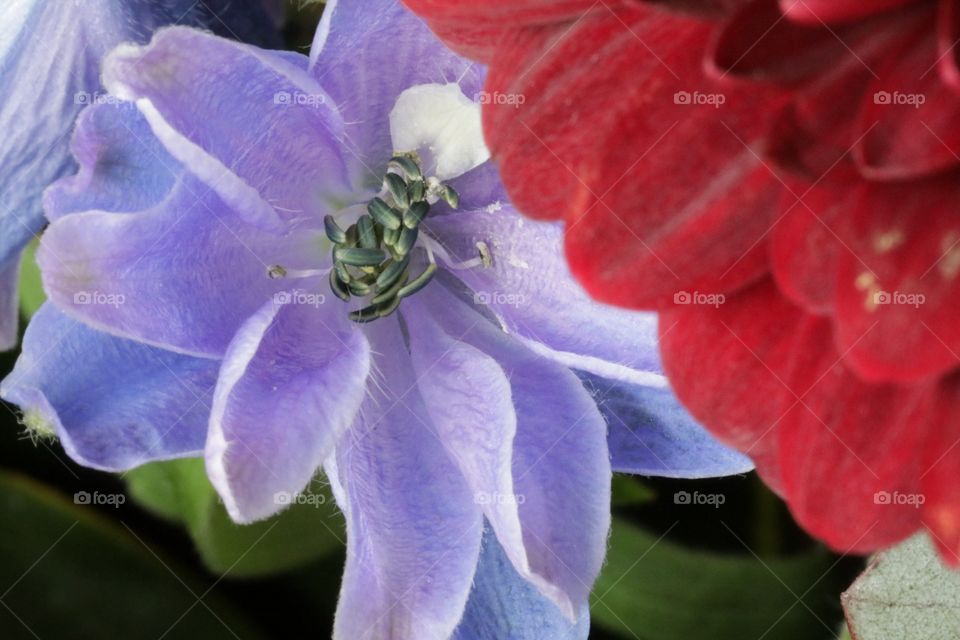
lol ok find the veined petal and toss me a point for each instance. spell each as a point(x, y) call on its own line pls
point(183, 275)
point(50, 55)
point(277, 160)
point(906, 127)
point(9, 309)
point(822, 438)
point(114, 403)
point(291, 383)
point(896, 280)
point(650, 433)
point(529, 287)
point(759, 346)
point(828, 11)
point(504, 605)
point(123, 167)
point(365, 55)
point(559, 462)
point(443, 125)
point(677, 200)
point(413, 528)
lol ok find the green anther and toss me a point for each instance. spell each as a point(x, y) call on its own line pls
point(391, 293)
point(359, 257)
point(390, 236)
point(383, 214)
point(342, 272)
point(337, 286)
point(409, 166)
point(393, 270)
point(367, 314)
point(450, 195)
point(371, 259)
point(353, 236)
point(367, 232)
point(418, 283)
point(408, 238)
point(413, 216)
point(359, 289)
point(334, 232)
point(416, 190)
point(398, 189)
point(386, 309)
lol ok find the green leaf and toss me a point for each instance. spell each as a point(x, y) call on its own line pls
point(179, 490)
point(653, 589)
point(629, 491)
point(31, 286)
point(906, 593)
point(68, 572)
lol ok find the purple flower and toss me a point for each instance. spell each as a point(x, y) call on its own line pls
point(50, 53)
point(269, 272)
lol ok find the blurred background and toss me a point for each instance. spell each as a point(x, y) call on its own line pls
point(153, 555)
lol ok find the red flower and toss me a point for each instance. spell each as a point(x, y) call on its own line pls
point(782, 182)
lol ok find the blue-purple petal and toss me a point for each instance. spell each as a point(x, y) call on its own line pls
point(183, 275)
point(365, 54)
point(123, 167)
point(290, 385)
point(276, 160)
point(504, 605)
point(413, 530)
point(115, 404)
point(530, 289)
point(650, 433)
point(9, 309)
point(560, 469)
point(50, 55)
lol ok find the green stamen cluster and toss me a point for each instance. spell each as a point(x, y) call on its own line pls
point(371, 259)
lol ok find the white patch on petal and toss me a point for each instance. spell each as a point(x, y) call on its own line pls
point(443, 126)
point(13, 18)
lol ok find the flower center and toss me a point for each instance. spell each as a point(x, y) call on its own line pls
point(371, 259)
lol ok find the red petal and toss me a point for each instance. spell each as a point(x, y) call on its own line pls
point(759, 44)
point(848, 450)
point(804, 245)
point(756, 334)
point(510, 13)
point(827, 11)
point(941, 468)
point(713, 9)
point(475, 29)
point(948, 34)
point(819, 128)
point(669, 195)
point(897, 294)
point(909, 115)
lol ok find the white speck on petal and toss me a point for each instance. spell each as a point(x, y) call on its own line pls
point(443, 126)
